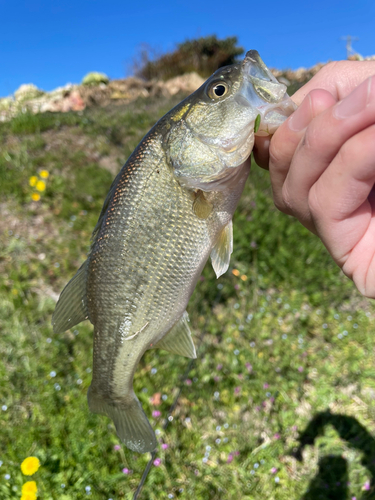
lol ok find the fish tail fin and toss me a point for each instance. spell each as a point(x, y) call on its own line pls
point(132, 425)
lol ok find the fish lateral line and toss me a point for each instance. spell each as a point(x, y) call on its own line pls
point(139, 331)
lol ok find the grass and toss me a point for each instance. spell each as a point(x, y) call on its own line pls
point(278, 405)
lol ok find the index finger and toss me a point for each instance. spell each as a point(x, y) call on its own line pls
point(338, 77)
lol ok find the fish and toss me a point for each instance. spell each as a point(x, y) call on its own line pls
point(168, 210)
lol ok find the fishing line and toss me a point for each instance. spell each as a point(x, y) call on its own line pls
point(174, 404)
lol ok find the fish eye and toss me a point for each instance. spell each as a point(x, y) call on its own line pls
point(217, 90)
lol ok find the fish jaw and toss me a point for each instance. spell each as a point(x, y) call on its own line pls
point(261, 90)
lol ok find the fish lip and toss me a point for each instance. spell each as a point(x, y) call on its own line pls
point(258, 82)
point(254, 67)
point(261, 90)
point(273, 115)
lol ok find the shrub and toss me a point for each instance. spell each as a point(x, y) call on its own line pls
point(95, 78)
point(202, 55)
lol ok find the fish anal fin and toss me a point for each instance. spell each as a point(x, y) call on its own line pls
point(201, 206)
point(178, 340)
point(132, 425)
point(71, 308)
point(221, 252)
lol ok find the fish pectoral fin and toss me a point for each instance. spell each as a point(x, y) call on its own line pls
point(71, 308)
point(132, 425)
point(178, 340)
point(201, 206)
point(221, 252)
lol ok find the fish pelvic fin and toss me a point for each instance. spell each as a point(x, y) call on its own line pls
point(71, 308)
point(221, 252)
point(178, 340)
point(132, 425)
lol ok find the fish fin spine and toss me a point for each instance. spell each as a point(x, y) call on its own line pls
point(71, 308)
point(221, 252)
point(178, 340)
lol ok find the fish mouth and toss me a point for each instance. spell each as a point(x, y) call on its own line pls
point(261, 90)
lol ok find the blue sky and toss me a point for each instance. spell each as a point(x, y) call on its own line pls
point(50, 43)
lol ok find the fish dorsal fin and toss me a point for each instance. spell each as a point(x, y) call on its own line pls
point(201, 206)
point(178, 340)
point(71, 308)
point(221, 252)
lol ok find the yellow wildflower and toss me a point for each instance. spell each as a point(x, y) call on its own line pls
point(33, 180)
point(29, 487)
point(28, 496)
point(236, 272)
point(35, 196)
point(40, 185)
point(244, 277)
point(44, 174)
point(30, 465)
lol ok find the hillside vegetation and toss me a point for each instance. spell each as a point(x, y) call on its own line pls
point(278, 405)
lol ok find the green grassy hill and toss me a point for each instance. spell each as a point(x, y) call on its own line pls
point(278, 405)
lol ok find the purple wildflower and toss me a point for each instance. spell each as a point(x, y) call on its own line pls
point(237, 390)
point(126, 470)
point(366, 486)
point(157, 462)
point(300, 369)
point(156, 413)
point(276, 435)
point(249, 367)
point(230, 458)
point(188, 381)
point(219, 367)
point(165, 446)
point(117, 447)
point(273, 470)
point(266, 386)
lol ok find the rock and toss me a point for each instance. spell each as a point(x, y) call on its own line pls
point(185, 83)
point(95, 78)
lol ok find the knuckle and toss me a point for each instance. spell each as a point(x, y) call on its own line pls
point(346, 154)
point(312, 139)
point(275, 153)
point(280, 156)
point(314, 203)
point(287, 205)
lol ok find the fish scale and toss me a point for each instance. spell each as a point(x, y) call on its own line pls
point(170, 207)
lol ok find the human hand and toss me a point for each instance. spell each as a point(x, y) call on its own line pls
point(322, 165)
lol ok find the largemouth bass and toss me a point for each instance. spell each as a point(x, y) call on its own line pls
point(167, 211)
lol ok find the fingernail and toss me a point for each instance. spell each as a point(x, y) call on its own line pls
point(355, 102)
point(302, 116)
